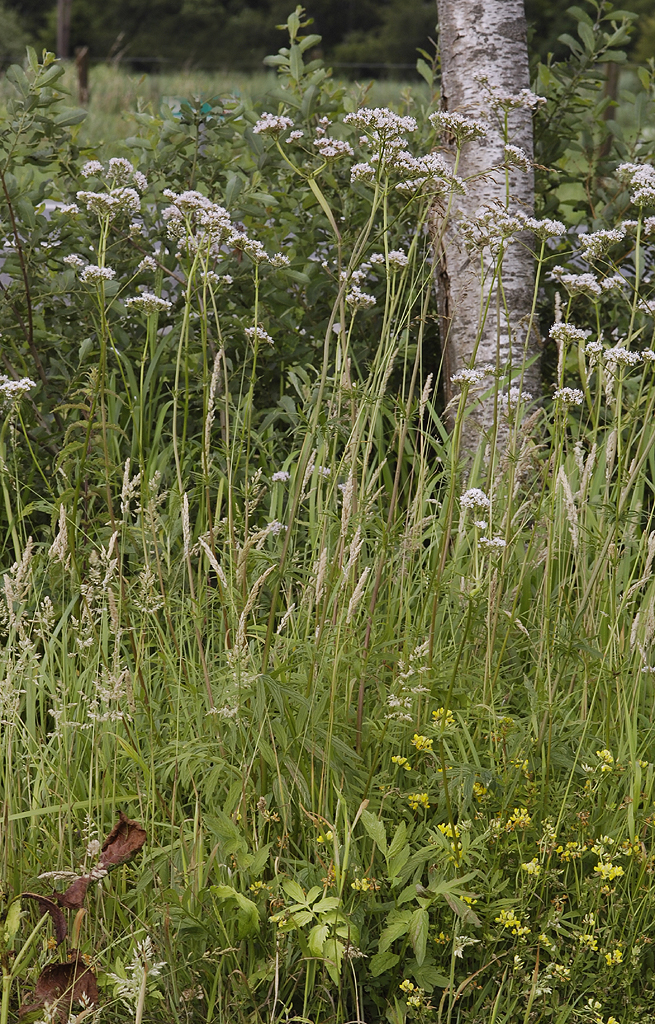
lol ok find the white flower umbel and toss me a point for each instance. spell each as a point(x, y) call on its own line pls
point(620, 356)
point(359, 299)
point(517, 157)
point(281, 476)
point(362, 172)
point(598, 243)
point(569, 396)
point(92, 168)
point(463, 129)
point(272, 124)
point(280, 260)
point(147, 263)
point(568, 334)
point(73, 260)
point(295, 135)
point(12, 390)
point(642, 179)
point(94, 275)
point(330, 149)
point(276, 527)
point(545, 228)
point(468, 377)
point(258, 333)
point(510, 401)
point(149, 303)
point(492, 543)
point(474, 498)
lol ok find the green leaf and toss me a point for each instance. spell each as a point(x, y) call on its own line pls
point(248, 916)
point(418, 934)
point(644, 77)
point(326, 904)
point(12, 921)
point(428, 977)
point(394, 931)
point(296, 63)
point(382, 962)
point(70, 116)
point(399, 840)
point(233, 188)
point(333, 951)
point(294, 891)
point(375, 830)
point(586, 34)
point(260, 860)
point(17, 77)
point(317, 937)
point(612, 56)
point(308, 42)
point(425, 71)
point(580, 15)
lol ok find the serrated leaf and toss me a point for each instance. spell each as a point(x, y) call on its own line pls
point(333, 951)
point(399, 840)
point(326, 904)
point(248, 916)
point(394, 931)
point(382, 962)
point(418, 933)
point(375, 831)
point(317, 937)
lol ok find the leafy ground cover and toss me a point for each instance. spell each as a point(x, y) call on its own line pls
point(307, 713)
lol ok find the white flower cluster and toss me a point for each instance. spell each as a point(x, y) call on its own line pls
point(281, 476)
point(586, 284)
point(380, 124)
point(564, 334)
point(359, 299)
point(362, 172)
point(198, 223)
point(597, 243)
point(12, 390)
point(620, 356)
point(280, 260)
point(276, 527)
point(545, 228)
point(295, 136)
point(147, 263)
point(491, 228)
point(254, 334)
point(474, 498)
point(463, 129)
point(330, 149)
point(94, 275)
point(501, 101)
point(148, 303)
point(272, 124)
point(492, 543)
point(642, 179)
point(510, 400)
point(397, 259)
point(73, 260)
point(569, 396)
point(110, 204)
point(469, 377)
point(121, 172)
point(430, 172)
point(517, 157)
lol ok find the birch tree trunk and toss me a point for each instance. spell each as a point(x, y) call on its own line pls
point(487, 38)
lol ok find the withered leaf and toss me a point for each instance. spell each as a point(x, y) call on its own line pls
point(125, 839)
point(73, 898)
point(48, 906)
point(63, 985)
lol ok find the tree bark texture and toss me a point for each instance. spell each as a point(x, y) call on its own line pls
point(486, 38)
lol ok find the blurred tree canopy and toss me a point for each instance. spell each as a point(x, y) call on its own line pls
point(239, 33)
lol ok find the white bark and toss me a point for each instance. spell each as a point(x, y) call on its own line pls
point(487, 37)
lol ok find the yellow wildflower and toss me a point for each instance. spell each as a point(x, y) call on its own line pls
point(417, 800)
point(451, 831)
point(508, 919)
point(438, 716)
point(421, 742)
point(479, 791)
point(589, 941)
point(401, 762)
point(533, 867)
point(407, 986)
point(519, 818)
point(609, 871)
point(615, 957)
point(606, 760)
point(327, 838)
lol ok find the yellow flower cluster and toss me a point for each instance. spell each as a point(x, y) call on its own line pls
point(438, 716)
point(559, 971)
point(508, 919)
point(407, 986)
point(572, 851)
point(364, 884)
point(441, 939)
point(417, 800)
point(451, 831)
point(606, 760)
point(589, 941)
point(615, 957)
point(422, 742)
point(479, 791)
point(533, 867)
point(609, 871)
point(325, 838)
point(402, 762)
point(519, 818)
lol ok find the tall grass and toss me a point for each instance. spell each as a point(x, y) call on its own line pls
point(392, 763)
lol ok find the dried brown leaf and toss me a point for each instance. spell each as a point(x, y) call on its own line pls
point(73, 898)
point(63, 985)
point(125, 839)
point(48, 906)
